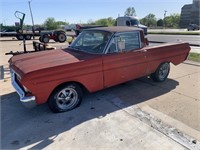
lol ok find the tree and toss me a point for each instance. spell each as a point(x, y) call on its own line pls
point(105, 21)
point(61, 23)
point(130, 11)
point(149, 20)
point(50, 23)
point(172, 21)
point(160, 22)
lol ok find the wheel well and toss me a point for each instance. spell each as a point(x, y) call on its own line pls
point(158, 65)
point(83, 88)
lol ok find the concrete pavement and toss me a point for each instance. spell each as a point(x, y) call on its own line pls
point(96, 124)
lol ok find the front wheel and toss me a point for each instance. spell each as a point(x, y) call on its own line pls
point(44, 38)
point(65, 98)
point(161, 73)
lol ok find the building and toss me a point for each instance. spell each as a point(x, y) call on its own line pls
point(190, 14)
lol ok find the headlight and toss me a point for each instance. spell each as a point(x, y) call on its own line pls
point(17, 76)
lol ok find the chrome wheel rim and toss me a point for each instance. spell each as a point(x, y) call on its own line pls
point(163, 71)
point(66, 98)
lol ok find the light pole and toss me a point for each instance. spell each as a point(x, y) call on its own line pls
point(164, 18)
point(29, 2)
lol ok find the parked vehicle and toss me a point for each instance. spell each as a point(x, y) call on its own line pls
point(21, 33)
point(130, 21)
point(99, 58)
point(8, 32)
point(69, 27)
point(193, 27)
point(57, 36)
point(120, 21)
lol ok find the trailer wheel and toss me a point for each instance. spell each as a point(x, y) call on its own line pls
point(20, 37)
point(61, 37)
point(28, 37)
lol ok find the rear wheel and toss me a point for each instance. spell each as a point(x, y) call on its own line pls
point(161, 73)
point(65, 98)
point(61, 37)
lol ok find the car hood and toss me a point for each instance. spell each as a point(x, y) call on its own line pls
point(26, 63)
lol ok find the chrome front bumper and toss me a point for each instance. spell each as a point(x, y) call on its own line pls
point(27, 101)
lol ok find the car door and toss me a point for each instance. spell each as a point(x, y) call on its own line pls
point(123, 65)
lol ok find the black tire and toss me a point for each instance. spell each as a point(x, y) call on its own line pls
point(65, 98)
point(45, 38)
point(161, 73)
point(20, 37)
point(40, 39)
point(61, 37)
point(28, 37)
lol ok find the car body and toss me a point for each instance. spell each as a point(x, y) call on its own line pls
point(192, 27)
point(99, 58)
point(8, 32)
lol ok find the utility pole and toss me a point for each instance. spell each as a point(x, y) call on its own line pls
point(33, 30)
point(164, 19)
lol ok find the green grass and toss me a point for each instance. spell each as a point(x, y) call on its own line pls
point(175, 33)
point(194, 57)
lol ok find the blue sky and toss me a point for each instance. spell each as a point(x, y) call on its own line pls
point(80, 11)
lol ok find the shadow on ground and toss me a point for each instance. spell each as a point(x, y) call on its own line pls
point(39, 126)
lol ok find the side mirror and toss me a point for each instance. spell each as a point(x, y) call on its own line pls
point(121, 45)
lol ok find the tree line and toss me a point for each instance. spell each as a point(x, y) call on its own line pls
point(171, 21)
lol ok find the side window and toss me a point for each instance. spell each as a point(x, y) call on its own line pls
point(131, 39)
point(113, 46)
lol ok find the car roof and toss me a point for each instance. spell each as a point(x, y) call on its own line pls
point(116, 29)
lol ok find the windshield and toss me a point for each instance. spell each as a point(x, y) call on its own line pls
point(134, 22)
point(92, 41)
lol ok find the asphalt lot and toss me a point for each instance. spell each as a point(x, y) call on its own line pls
point(139, 114)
